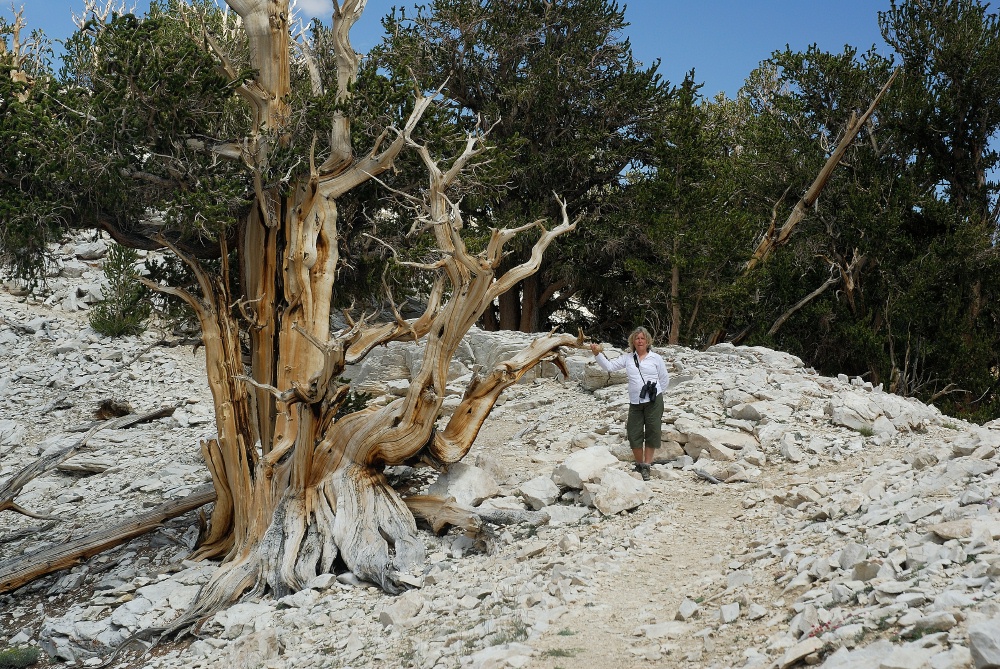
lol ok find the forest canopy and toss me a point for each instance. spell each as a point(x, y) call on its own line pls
point(892, 274)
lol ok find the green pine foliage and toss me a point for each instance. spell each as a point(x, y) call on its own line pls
point(19, 657)
point(125, 308)
point(568, 108)
point(672, 189)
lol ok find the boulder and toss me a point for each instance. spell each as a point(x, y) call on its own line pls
point(244, 618)
point(582, 467)
point(402, 610)
point(720, 444)
point(468, 484)
point(616, 492)
point(984, 643)
point(91, 250)
point(594, 377)
point(539, 492)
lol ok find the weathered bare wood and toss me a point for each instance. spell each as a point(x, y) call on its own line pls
point(770, 240)
point(127, 421)
point(84, 463)
point(513, 517)
point(13, 486)
point(296, 487)
point(25, 568)
point(834, 278)
point(441, 513)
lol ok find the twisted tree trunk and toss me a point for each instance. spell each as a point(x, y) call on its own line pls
point(298, 489)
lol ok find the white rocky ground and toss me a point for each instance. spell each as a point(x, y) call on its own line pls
point(852, 528)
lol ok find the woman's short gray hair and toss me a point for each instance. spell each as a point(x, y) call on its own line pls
point(635, 333)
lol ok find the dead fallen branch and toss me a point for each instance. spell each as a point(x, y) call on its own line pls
point(11, 489)
point(834, 278)
point(442, 513)
point(25, 568)
point(128, 420)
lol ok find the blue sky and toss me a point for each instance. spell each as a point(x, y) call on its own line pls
point(722, 39)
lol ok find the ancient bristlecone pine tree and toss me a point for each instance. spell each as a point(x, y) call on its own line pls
point(297, 488)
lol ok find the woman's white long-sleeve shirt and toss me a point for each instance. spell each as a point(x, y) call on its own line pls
point(652, 368)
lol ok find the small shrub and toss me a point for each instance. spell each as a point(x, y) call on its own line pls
point(355, 400)
point(511, 631)
point(124, 309)
point(18, 657)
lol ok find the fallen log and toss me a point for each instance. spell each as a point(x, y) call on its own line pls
point(23, 569)
point(441, 513)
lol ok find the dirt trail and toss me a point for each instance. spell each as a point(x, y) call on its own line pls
point(692, 529)
point(677, 545)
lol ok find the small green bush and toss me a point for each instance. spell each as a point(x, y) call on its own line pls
point(865, 431)
point(18, 657)
point(355, 401)
point(125, 308)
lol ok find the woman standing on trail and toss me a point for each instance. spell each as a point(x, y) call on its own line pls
point(647, 379)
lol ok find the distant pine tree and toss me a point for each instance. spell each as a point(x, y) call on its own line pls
point(124, 309)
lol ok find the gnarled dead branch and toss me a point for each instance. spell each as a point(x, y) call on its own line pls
point(23, 569)
point(50, 461)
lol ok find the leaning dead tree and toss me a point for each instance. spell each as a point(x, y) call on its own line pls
point(775, 237)
point(841, 271)
point(297, 489)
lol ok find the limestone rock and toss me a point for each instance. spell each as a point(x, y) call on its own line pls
point(504, 655)
point(583, 466)
point(539, 492)
point(402, 610)
point(799, 652)
point(687, 610)
point(91, 250)
point(617, 491)
point(984, 643)
point(254, 650)
point(243, 618)
point(468, 484)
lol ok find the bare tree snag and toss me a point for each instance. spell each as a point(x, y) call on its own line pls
point(834, 278)
point(770, 241)
point(23, 569)
point(13, 486)
point(297, 489)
